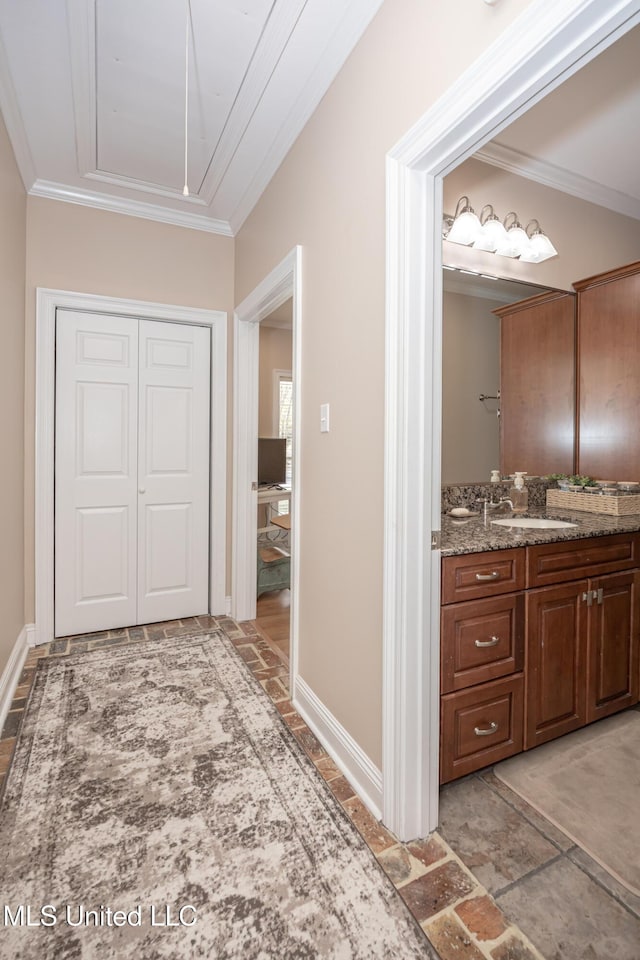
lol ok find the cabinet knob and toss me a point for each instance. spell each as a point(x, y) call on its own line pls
point(141, 490)
point(487, 643)
point(486, 731)
point(494, 575)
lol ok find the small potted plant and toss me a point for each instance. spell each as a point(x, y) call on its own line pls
point(561, 479)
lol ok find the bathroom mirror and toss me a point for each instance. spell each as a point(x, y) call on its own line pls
point(471, 370)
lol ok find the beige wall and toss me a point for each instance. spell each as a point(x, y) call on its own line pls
point(275, 354)
point(470, 366)
point(71, 247)
point(588, 238)
point(329, 196)
point(12, 257)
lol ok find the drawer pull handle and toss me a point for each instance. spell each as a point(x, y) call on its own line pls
point(494, 575)
point(487, 731)
point(487, 643)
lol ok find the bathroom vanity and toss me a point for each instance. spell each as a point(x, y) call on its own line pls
point(540, 634)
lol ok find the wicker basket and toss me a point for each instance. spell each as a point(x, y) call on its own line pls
point(615, 506)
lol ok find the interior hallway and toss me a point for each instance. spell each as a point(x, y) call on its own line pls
point(452, 907)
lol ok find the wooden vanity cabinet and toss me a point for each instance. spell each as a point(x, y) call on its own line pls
point(535, 642)
point(582, 634)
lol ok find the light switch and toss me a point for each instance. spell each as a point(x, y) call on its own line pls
point(324, 418)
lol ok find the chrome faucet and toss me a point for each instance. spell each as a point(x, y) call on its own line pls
point(490, 505)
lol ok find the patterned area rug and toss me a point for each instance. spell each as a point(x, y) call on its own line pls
point(157, 807)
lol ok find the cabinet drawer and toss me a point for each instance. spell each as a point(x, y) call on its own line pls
point(475, 575)
point(552, 563)
point(480, 726)
point(481, 640)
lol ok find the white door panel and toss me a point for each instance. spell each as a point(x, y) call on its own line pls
point(168, 570)
point(102, 575)
point(173, 471)
point(102, 437)
point(169, 430)
point(132, 471)
point(96, 462)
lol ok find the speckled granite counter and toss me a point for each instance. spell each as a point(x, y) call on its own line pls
point(473, 535)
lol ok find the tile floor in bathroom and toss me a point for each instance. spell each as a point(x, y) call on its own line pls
point(495, 880)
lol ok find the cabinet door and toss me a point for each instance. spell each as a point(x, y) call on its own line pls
point(537, 384)
point(608, 361)
point(613, 644)
point(556, 661)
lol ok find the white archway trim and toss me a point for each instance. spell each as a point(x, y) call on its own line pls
point(47, 302)
point(284, 282)
point(540, 49)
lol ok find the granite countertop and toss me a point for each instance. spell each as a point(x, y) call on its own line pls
point(473, 535)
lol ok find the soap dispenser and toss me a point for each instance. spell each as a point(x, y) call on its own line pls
point(518, 494)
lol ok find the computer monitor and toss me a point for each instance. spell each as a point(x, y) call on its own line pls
point(272, 460)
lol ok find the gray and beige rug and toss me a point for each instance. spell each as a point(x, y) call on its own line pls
point(157, 807)
point(588, 784)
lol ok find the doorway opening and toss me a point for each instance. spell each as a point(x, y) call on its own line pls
point(275, 462)
point(273, 507)
point(497, 88)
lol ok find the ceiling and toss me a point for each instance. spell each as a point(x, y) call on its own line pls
point(93, 96)
point(584, 137)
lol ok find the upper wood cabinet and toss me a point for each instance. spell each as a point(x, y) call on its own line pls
point(609, 365)
point(537, 384)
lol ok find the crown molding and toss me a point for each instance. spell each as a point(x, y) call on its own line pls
point(559, 178)
point(346, 34)
point(132, 208)
point(14, 122)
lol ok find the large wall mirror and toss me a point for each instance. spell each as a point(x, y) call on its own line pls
point(568, 163)
point(471, 401)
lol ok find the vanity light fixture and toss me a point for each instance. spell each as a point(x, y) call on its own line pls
point(492, 232)
point(540, 246)
point(515, 242)
point(507, 238)
point(466, 225)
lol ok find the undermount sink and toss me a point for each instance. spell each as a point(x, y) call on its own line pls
point(534, 523)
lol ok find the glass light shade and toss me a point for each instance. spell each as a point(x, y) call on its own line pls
point(490, 236)
point(517, 243)
point(541, 249)
point(465, 229)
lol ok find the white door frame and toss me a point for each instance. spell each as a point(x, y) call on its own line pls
point(284, 282)
point(546, 44)
point(47, 302)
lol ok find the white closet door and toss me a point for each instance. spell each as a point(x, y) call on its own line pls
point(173, 471)
point(96, 465)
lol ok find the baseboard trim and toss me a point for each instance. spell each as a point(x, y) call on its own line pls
point(13, 669)
point(360, 771)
